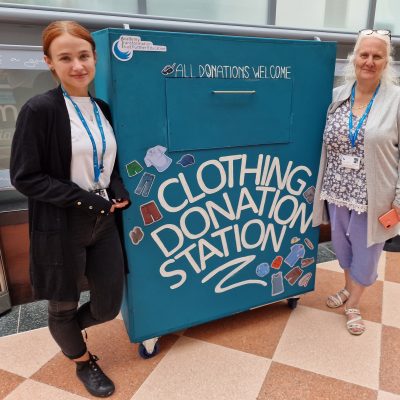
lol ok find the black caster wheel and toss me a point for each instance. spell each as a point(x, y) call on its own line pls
point(292, 303)
point(145, 354)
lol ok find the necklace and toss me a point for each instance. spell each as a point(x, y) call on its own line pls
point(360, 107)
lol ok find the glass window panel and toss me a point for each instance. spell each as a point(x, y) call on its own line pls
point(348, 15)
point(387, 15)
point(253, 12)
point(22, 75)
point(121, 6)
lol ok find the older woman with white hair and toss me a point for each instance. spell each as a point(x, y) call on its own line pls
point(358, 178)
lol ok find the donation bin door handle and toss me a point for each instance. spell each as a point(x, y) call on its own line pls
point(233, 91)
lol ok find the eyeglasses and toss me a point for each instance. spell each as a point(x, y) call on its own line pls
point(383, 32)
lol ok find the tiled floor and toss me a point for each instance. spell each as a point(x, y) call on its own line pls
point(269, 353)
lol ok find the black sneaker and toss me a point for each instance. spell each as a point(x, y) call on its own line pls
point(95, 380)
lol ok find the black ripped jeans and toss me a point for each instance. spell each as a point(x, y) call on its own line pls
point(96, 247)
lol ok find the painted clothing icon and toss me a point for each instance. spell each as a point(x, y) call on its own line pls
point(136, 235)
point(276, 264)
point(145, 184)
point(307, 261)
point(296, 251)
point(155, 157)
point(309, 194)
point(133, 168)
point(150, 213)
point(262, 270)
point(277, 283)
point(294, 240)
point(168, 69)
point(308, 243)
point(305, 279)
point(293, 275)
point(186, 160)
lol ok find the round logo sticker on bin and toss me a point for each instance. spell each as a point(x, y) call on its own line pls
point(124, 47)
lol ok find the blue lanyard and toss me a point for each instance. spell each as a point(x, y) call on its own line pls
point(353, 134)
point(98, 169)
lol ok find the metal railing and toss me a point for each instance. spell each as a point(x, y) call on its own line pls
point(40, 15)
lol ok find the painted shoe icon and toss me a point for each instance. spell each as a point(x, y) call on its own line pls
point(168, 69)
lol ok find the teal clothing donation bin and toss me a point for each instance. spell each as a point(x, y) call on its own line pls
point(219, 143)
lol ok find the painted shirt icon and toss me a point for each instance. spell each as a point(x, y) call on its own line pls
point(133, 168)
point(296, 251)
point(276, 264)
point(262, 270)
point(156, 157)
point(145, 184)
point(186, 160)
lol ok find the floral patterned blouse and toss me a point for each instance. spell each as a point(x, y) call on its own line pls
point(344, 186)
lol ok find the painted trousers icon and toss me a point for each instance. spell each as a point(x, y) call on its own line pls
point(277, 283)
point(293, 275)
point(150, 213)
point(145, 184)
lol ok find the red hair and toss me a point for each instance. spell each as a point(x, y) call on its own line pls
point(57, 28)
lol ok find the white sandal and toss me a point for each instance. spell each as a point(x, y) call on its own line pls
point(335, 300)
point(352, 326)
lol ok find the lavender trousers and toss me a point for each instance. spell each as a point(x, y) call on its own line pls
point(349, 240)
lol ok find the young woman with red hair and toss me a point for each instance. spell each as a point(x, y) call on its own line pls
point(63, 159)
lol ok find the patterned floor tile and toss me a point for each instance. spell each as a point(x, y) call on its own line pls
point(9, 382)
point(329, 282)
point(33, 316)
point(390, 360)
point(117, 357)
point(334, 266)
point(382, 266)
point(324, 254)
point(318, 341)
point(392, 267)
point(257, 331)
point(84, 297)
point(391, 305)
point(284, 382)
point(30, 390)
point(198, 370)
point(329, 246)
point(9, 322)
point(29, 352)
point(387, 396)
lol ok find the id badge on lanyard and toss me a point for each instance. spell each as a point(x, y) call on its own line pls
point(102, 193)
point(349, 161)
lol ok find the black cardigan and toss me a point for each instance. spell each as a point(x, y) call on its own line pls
point(40, 169)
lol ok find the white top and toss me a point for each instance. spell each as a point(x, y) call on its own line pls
point(82, 168)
